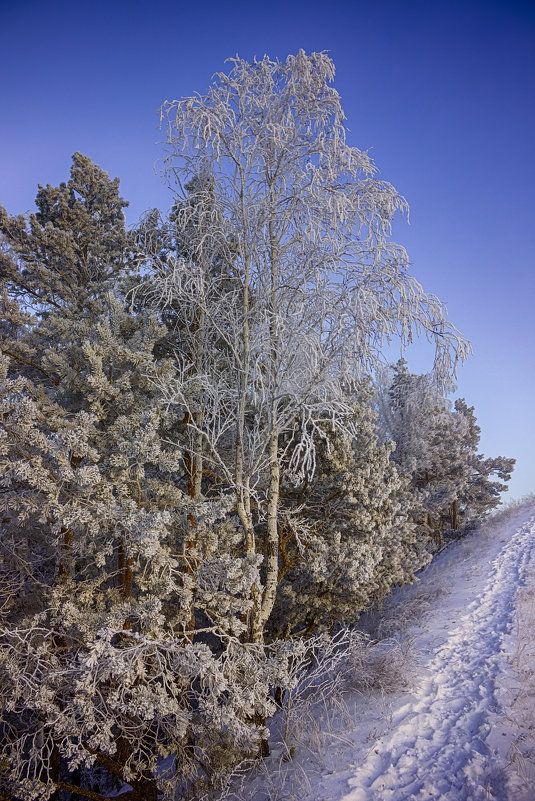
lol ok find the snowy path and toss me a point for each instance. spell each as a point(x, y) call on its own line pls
point(437, 746)
point(461, 731)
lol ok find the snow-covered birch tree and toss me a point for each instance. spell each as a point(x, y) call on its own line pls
point(302, 223)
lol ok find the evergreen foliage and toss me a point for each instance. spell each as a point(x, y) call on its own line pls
point(358, 537)
point(453, 486)
point(100, 672)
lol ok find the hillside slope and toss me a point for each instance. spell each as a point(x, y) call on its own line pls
point(464, 727)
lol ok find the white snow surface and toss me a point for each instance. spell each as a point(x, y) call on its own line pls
point(464, 730)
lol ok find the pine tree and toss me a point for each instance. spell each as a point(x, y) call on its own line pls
point(436, 445)
point(100, 672)
point(481, 492)
point(348, 535)
point(73, 248)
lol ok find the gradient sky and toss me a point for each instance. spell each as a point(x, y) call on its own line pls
point(442, 94)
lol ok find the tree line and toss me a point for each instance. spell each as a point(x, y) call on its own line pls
point(203, 459)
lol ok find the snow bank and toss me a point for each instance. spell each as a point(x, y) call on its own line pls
point(465, 729)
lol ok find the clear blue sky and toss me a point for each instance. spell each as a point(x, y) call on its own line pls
point(442, 94)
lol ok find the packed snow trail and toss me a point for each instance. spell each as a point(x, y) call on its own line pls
point(436, 749)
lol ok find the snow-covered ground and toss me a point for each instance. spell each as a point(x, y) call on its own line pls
point(463, 729)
